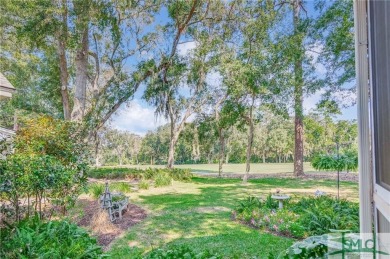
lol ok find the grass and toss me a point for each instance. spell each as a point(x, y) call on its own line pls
point(257, 168)
point(198, 214)
point(96, 190)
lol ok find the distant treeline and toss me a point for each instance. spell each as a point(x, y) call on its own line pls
point(198, 143)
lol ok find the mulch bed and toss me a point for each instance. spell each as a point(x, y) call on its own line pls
point(350, 177)
point(132, 216)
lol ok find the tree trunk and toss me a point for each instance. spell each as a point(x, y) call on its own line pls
point(172, 144)
point(195, 146)
point(221, 151)
point(97, 155)
point(63, 65)
point(227, 158)
point(171, 155)
point(263, 157)
point(81, 77)
point(298, 94)
point(250, 142)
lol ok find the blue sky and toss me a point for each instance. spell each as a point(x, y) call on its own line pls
point(138, 117)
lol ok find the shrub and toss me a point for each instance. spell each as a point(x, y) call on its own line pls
point(162, 179)
point(308, 216)
point(38, 177)
point(49, 163)
point(251, 203)
point(178, 174)
point(143, 184)
point(135, 173)
point(347, 161)
point(323, 213)
point(121, 187)
point(96, 189)
point(55, 239)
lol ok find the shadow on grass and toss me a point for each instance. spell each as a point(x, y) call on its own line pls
point(223, 195)
point(228, 239)
point(227, 192)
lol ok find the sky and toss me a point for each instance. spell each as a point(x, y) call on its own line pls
point(138, 117)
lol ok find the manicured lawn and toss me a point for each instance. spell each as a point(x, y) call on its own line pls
point(258, 168)
point(198, 214)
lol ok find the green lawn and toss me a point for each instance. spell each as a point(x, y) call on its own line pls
point(258, 168)
point(198, 214)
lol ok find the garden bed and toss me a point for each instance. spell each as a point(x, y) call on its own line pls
point(348, 177)
point(100, 225)
point(305, 217)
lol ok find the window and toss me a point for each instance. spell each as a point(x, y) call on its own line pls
point(380, 64)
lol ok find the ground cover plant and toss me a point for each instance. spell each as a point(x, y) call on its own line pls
point(35, 238)
point(306, 217)
point(137, 174)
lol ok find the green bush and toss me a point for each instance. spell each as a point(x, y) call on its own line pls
point(121, 187)
point(96, 189)
point(321, 214)
point(143, 185)
point(308, 216)
point(54, 239)
point(252, 203)
point(49, 163)
point(162, 179)
point(137, 174)
point(347, 161)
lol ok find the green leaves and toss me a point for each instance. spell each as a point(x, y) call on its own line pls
point(334, 29)
point(307, 216)
point(346, 162)
point(54, 239)
point(49, 163)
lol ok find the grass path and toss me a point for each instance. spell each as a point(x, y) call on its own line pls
point(197, 214)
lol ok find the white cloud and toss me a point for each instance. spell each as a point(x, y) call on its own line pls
point(345, 99)
point(310, 102)
point(214, 78)
point(184, 48)
point(136, 119)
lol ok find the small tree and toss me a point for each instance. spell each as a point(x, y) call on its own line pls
point(48, 165)
point(347, 161)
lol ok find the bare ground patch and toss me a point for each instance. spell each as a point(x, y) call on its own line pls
point(96, 219)
point(212, 209)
